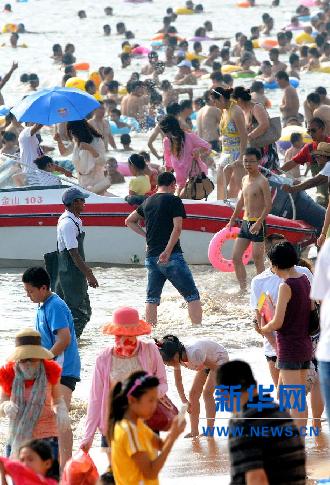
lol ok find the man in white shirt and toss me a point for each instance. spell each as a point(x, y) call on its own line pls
point(73, 274)
point(321, 291)
point(268, 282)
point(29, 146)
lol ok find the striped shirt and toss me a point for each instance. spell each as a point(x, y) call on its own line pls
point(256, 447)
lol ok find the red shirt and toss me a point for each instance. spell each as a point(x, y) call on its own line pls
point(305, 155)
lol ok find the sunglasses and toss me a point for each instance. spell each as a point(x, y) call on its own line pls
point(215, 93)
point(312, 130)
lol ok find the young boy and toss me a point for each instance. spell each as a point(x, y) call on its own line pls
point(297, 143)
point(125, 140)
point(256, 199)
point(111, 171)
point(115, 115)
point(55, 323)
point(9, 143)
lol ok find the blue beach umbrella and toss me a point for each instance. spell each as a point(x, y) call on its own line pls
point(4, 110)
point(55, 105)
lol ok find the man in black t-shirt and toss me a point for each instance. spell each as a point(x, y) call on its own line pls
point(163, 213)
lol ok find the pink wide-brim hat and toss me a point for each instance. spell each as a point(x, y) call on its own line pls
point(126, 322)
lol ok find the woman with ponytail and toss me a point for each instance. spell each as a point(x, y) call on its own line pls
point(257, 123)
point(137, 453)
point(234, 141)
point(181, 149)
point(204, 356)
point(126, 355)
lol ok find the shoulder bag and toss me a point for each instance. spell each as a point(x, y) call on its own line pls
point(198, 186)
point(272, 134)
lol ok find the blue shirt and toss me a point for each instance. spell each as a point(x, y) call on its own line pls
point(52, 315)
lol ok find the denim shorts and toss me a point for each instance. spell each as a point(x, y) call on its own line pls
point(289, 365)
point(176, 271)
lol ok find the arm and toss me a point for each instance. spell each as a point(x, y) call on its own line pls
point(269, 336)
point(7, 76)
point(284, 296)
point(61, 147)
point(158, 369)
point(111, 138)
point(308, 184)
point(36, 128)
point(325, 228)
point(288, 165)
point(262, 118)
point(256, 477)
point(86, 270)
point(88, 147)
point(132, 222)
point(175, 235)
point(151, 468)
point(238, 117)
point(63, 340)
point(237, 211)
point(179, 385)
point(188, 91)
point(152, 138)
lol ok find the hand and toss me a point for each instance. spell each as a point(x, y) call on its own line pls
point(231, 223)
point(86, 446)
point(164, 257)
point(62, 416)
point(57, 137)
point(320, 240)
point(9, 409)
point(14, 66)
point(256, 327)
point(288, 188)
point(255, 228)
point(176, 428)
point(91, 280)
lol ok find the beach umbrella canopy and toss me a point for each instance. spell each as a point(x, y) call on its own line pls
point(4, 110)
point(55, 105)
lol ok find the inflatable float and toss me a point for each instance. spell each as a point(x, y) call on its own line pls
point(284, 142)
point(215, 252)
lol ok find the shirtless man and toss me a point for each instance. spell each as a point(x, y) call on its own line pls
point(290, 101)
point(108, 75)
point(277, 65)
point(102, 126)
point(319, 110)
point(171, 95)
point(185, 76)
point(255, 198)
point(150, 67)
point(134, 104)
point(208, 119)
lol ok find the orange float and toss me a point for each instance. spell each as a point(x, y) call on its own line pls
point(96, 78)
point(243, 5)
point(268, 44)
point(81, 66)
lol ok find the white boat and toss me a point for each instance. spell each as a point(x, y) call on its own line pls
point(28, 218)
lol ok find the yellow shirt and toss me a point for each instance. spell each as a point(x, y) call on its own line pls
point(128, 440)
point(140, 184)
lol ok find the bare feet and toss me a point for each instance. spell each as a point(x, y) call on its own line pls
point(192, 435)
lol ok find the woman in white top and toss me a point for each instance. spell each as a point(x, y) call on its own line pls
point(88, 156)
point(204, 356)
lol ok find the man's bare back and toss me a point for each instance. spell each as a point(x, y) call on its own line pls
point(208, 120)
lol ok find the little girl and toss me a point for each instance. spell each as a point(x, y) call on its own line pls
point(203, 356)
point(36, 465)
point(140, 182)
point(137, 454)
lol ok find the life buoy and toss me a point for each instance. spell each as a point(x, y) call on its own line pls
point(324, 67)
point(140, 50)
point(215, 255)
point(304, 38)
point(8, 28)
point(229, 68)
point(268, 43)
point(76, 82)
point(96, 78)
point(284, 142)
point(184, 11)
point(123, 168)
point(243, 5)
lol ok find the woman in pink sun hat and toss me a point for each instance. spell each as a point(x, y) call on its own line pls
point(128, 354)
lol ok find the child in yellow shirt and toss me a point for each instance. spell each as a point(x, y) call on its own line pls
point(134, 446)
point(140, 182)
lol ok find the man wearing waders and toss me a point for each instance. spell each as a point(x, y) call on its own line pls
point(74, 275)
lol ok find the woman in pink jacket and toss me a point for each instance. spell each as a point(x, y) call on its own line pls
point(116, 363)
point(181, 149)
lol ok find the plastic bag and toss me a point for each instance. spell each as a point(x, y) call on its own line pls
point(22, 475)
point(80, 470)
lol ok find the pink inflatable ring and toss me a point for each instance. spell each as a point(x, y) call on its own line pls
point(215, 255)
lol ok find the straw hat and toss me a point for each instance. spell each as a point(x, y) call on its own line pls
point(126, 322)
point(323, 150)
point(28, 346)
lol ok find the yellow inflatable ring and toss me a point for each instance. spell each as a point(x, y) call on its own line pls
point(324, 67)
point(96, 78)
point(122, 90)
point(7, 28)
point(184, 11)
point(256, 43)
point(229, 68)
point(76, 82)
point(304, 38)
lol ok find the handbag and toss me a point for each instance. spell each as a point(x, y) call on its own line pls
point(198, 186)
point(314, 321)
point(270, 136)
point(162, 418)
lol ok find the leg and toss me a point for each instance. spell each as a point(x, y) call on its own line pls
point(274, 372)
point(324, 371)
point(194, 396)
point(258, 253)
point(208, 396)
point(240, 246)
point(66, 438)
point(195, 312)
point(221, 184)
point(156, 281)
point(317, 403)
point(296, 377)
point(238, 173)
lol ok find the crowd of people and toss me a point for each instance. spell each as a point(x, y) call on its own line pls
point(230, 132)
